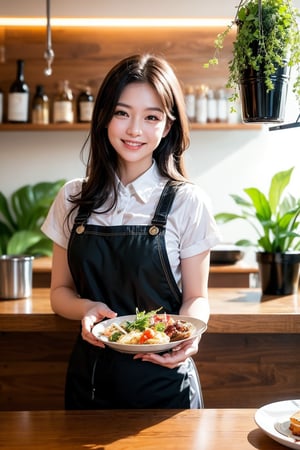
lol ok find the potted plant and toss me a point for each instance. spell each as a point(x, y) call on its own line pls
point(275, 221)
point(20, 235)
point(266, 47)
point(21, 217)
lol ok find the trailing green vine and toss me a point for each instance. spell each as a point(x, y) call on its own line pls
point(267, 38)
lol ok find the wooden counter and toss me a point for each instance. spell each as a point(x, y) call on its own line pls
point(232, 311)
point(230, 275)
point(247, 357)
point(207, 429)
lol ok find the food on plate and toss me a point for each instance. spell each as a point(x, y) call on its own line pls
point(295, 423)
point(149, 328)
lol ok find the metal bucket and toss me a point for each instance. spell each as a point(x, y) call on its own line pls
point(15, 276)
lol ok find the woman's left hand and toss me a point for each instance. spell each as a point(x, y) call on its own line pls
point(174, 357)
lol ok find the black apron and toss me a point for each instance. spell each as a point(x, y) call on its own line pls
point(126, 267)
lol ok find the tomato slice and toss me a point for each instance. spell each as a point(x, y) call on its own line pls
point(147, 334)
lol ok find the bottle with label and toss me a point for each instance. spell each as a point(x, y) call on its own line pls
point(18, 97)
point(40, 106)
point(190, 102)
point(63, 107)
point(85, 105)
point(201, 104)
point(211, 106)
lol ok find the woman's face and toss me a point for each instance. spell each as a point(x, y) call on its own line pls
point(137, 126)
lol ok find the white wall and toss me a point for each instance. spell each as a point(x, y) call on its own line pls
point(221, 162)
point(118, 8)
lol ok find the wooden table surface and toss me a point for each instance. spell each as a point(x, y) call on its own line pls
point(240, 310)
point(44, 264)
point(207, 429)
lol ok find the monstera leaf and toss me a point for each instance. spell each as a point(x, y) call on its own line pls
point(21, 217)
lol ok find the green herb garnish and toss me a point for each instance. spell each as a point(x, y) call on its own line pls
point(142, 321)
point(115, 336)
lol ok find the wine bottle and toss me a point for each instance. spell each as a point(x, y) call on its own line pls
point(40, 106)
point(63, 108)
point(18, 97)
point(85, 105)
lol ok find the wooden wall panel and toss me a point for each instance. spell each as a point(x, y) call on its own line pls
point(84, 55)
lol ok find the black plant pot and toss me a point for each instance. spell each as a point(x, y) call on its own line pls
point(279, 272)
point(257, 103)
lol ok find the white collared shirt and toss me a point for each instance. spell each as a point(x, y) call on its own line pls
point(190, 228)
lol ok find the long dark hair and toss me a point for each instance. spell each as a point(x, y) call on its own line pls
point(102, 158)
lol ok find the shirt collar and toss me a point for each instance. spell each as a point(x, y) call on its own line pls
point(144, 185)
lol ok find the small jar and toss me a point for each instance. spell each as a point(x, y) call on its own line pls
point(222, 110)
point(40, 106)
point(201, 104)
point(190, 102)
point(85, 105)
point(211, 106)
point(63, 107)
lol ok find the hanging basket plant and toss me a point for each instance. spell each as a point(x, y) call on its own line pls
point(266, 47)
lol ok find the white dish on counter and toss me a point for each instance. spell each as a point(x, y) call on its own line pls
point(274, 420)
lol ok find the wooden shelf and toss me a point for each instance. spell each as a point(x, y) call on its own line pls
point(50, 127)
point(86, 127)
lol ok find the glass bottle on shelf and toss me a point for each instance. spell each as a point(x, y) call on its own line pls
point(222, 110)
point(201, 104)
point(233, 109)
point(190, 102)
point(63, 107)
point(211, 106)
point(40, 106)
point(85, 105)
point(18, 97)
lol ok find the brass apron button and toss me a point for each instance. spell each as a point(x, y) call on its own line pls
point(153, 230)
point(80, 229)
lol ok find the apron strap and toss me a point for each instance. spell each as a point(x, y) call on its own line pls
point(161, 212)
point(165, 203)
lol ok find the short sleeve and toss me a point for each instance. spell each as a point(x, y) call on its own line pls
point(197, 228)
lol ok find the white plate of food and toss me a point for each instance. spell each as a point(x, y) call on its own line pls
point(274, 420)
point(147, 332)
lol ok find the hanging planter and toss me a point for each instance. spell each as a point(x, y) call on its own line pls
point(265, 49)
point(260, 104)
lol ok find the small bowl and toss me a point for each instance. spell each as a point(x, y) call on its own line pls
point(225, 254)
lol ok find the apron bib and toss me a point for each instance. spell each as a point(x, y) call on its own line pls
point(126, 267)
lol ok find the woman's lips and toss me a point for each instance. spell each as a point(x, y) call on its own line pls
point(133, 144)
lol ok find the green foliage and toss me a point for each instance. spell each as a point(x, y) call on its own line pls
point(274, 218)
point(22, 216)
point(263, 42)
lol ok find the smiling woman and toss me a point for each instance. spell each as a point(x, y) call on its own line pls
point(120, 241)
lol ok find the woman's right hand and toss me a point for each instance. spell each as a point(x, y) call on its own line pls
point(94, 315)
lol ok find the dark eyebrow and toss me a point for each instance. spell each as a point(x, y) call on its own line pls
point(154, 108)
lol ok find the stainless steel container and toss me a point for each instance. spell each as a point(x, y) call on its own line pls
point(15, 276)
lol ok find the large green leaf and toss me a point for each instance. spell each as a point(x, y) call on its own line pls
point(260, 203)
point(4, 210)
point(227, 217)
point(22, 241)
point(278, 184)
point(23, 217)
point(30, 204)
